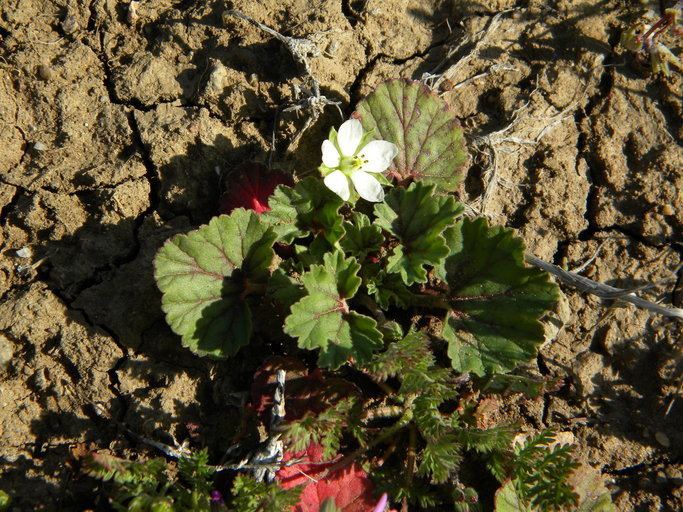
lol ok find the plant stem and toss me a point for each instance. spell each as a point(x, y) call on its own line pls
point(423, 300)
point(374, 308)
point(410, 460)
point(382, 411)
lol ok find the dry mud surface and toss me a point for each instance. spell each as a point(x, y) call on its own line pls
point(117, 132)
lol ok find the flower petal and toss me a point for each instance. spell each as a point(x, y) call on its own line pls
point(330, 155)
point(368, 187)
point(378, 154)
point(337, 183)
point(349, 136)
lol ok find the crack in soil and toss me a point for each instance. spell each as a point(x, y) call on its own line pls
point(114, 382)
point(9, 207)
point(354, 91)
point(586, 150)
point(544, 370)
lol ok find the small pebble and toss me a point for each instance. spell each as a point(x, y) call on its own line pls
point(44, 72)
point(70, 24)
point(39, 146)
point(6, 351)
point(132, 12)
point(217, 78)
point(333, 47)
point(662, 439)
point(667, 209)
point(25, 252)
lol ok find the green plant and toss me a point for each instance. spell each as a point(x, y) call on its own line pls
point(5, 501)
point(150, 487)
point(350, 277)
point(540, 472)
point(147, 486)
point(252, 496)
point(643, 37)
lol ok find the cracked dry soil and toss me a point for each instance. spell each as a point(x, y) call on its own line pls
point(116, 133)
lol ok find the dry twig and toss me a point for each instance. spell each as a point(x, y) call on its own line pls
point(434, 80)
point(313, 103)
point(604, 291)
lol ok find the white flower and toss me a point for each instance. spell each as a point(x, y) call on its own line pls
point(345, 156)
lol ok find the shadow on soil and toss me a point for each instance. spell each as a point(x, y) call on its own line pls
point(104, 274)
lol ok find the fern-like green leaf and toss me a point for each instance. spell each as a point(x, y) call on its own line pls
point(252, 496)
point(541, 472)
point(440, 458)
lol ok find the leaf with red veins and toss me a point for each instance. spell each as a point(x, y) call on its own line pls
point(252, 186)
point(349, 487)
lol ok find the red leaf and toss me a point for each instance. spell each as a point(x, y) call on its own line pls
point(307, 391)
point(350, 487)
point(252, 187)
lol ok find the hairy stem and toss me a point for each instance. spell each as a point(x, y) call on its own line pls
point(426, 301)
point(382, 411)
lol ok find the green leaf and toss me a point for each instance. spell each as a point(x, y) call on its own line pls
point(329, 506)
point(589, 485)
point(431, 423)
point(325, 428)
point(250, 495)
point(392, 480)
point(428, 136)
point(312, 253)
point(284, 289)
point(497, 301)
point(411, 352)
point(488, 440)
point(362, 237)
point(388, 289)
point(322, 319)
point(308, 207)
point(508, 501)
point(205, 277)
point(440, 458)
point(508, 384)
point(5, 500)
point(417, 218)
point(391, 331)
point(541, 473)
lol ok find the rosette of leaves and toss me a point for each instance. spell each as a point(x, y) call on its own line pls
point(346, 271)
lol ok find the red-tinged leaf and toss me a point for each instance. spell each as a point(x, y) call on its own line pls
point(350, 487)
point(430, 142)
point(252, 186)
point(304, 391)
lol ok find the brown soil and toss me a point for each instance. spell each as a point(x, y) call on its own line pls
point(117, 133)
